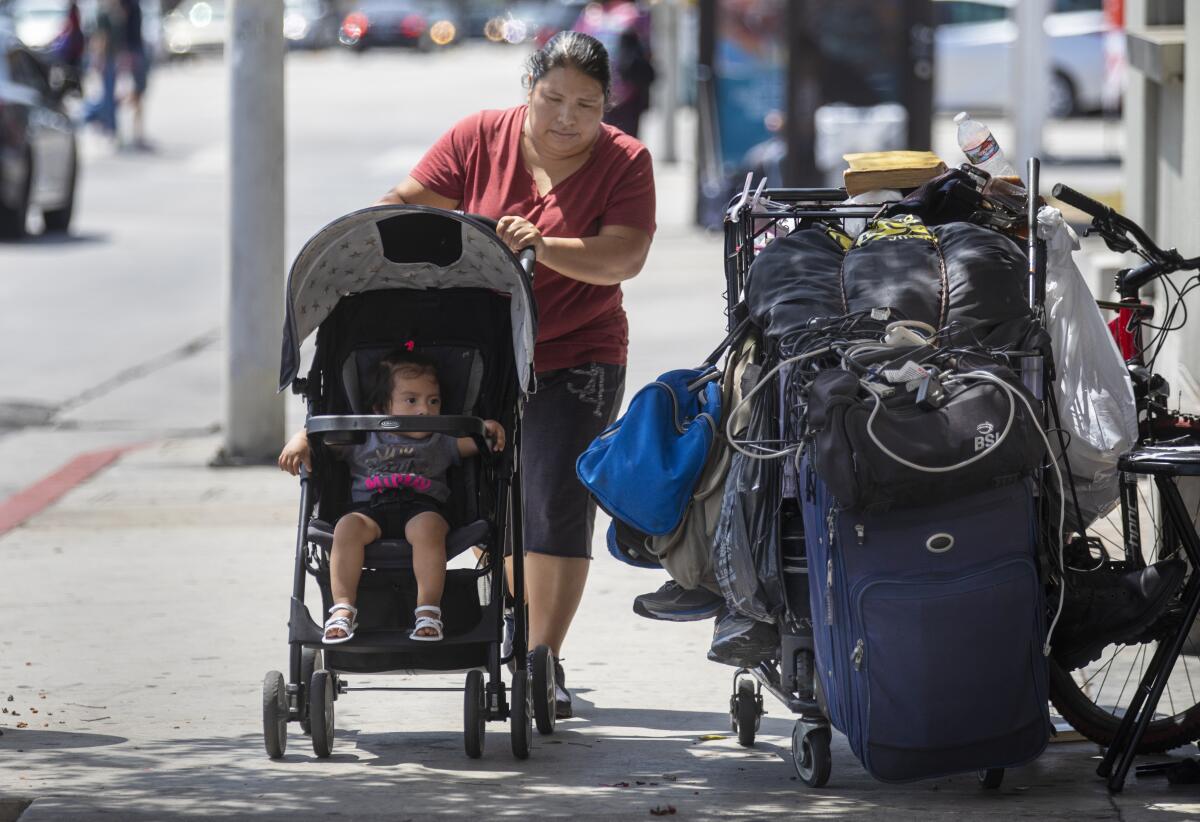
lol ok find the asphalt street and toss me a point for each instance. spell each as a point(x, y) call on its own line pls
point(143, 609)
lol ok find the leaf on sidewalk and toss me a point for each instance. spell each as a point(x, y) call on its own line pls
point(669, 810)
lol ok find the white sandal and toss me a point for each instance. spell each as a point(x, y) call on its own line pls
point(427, 622)
point(347, 624)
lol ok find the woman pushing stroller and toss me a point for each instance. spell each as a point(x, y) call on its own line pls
point(399, 490)
point(581, 194)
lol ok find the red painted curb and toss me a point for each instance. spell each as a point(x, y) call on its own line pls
point(45, 492)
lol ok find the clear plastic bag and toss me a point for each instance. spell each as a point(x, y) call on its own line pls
point(1094, 394)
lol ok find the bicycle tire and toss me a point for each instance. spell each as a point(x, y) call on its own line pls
point(1100, 726)
point(1099, 723)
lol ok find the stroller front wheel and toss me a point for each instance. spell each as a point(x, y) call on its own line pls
point(474, 714)
point(275, 714)
point(320, 712)
point(310, 661)
point(521, 715)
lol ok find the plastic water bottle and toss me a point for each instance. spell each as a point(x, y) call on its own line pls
point(976, 141)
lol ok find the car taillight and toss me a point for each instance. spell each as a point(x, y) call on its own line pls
point(355, 25)
point(413, 25)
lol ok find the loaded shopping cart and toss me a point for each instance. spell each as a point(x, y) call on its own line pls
point(892, 486)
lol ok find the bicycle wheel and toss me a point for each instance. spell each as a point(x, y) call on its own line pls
point(1093, 698)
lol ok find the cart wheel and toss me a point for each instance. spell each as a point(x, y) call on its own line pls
point(746, 711)
point(991, 778)
point(521, 716)
point(541, 673)
point(310, 660)
point(275, 714)
point(320, 714)
point(810, 754)
point(474, 714)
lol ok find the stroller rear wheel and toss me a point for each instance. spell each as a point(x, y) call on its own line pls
point(320, 712)
point(275, 714)
point(521, 716)
point(810, 753)
point(542, 675)
point(310, 661)
point(474, 714)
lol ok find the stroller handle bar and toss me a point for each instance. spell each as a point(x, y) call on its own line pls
point(449, 425)
point(452, 426)
point(525, 257)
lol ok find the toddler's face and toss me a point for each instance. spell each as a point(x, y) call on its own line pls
point(415, 397)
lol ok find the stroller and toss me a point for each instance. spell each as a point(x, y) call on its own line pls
point(439, 283)
point(773, 578)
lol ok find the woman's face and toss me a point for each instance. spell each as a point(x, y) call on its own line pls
point(565, 110)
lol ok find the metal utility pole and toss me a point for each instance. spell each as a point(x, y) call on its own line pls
point(1030, 81)
point(254, 413)
point(665, 33)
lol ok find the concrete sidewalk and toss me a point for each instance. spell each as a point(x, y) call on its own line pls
point(160, 601)
point(144, 608)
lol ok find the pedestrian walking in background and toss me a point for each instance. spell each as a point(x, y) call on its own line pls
point(106, 46)
point(135, 61)
point(581, 194)
point(631, 85)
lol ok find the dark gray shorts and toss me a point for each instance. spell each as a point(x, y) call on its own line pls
point(569, 409)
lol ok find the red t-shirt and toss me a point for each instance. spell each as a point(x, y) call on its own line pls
point(478, 163)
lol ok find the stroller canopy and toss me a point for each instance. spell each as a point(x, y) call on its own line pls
point(402, 247)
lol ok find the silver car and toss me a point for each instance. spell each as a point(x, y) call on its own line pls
point(38, 158)
point(974, 46)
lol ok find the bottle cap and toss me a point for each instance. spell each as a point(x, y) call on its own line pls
point(962, 115)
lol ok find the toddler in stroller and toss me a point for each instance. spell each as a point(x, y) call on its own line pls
point(383, 284)
point(399, 490)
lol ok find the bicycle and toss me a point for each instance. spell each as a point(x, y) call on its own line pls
point(1093, 699)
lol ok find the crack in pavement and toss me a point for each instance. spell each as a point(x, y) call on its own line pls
point(16, 415)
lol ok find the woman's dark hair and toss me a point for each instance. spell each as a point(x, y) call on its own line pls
point(571, 49)
point(402, 363)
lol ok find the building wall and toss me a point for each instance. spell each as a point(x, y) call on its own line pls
point(1162, 162)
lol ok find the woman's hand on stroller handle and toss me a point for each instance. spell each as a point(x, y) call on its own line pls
point(521, 236)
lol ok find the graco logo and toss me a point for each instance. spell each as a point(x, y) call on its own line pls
point(987, 436)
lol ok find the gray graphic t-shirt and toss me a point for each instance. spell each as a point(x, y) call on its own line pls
point(390, 461)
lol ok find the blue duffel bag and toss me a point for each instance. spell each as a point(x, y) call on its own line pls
point(644, 467)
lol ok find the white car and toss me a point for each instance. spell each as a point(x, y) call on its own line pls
point(973, 47)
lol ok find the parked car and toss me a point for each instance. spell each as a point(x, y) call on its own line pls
point(196, 27)
point(310, 24)
point(973, 47)
point(411, 23)
point(39, 162)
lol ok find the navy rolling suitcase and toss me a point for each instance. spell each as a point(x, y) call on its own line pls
point(929, 624)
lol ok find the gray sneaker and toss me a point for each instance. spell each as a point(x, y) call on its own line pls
point(562, 697)
point(674, 603)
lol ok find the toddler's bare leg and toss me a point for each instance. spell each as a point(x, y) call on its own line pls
point(427, 534)
point(350, 536)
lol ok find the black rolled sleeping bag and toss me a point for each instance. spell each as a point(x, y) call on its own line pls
point(952, 273)
point(794, 279)
point(958, 273)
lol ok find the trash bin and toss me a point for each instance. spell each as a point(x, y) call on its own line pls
point(843, 129)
